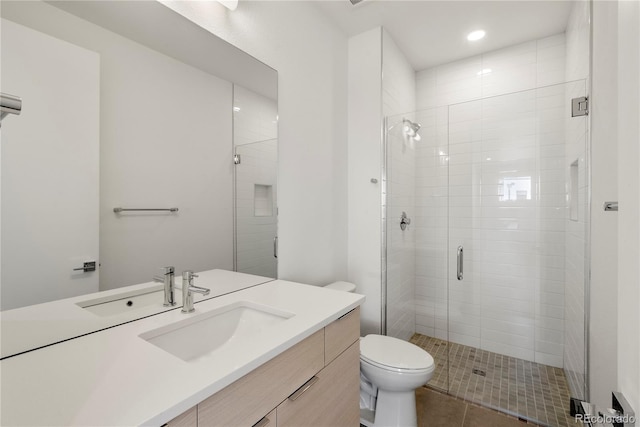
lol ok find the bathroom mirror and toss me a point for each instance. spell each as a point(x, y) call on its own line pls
point(128, 105)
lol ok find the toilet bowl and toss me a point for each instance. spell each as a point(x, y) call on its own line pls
point(396, 368)
point(390, 371)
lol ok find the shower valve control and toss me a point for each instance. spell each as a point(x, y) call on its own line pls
point(404, 221)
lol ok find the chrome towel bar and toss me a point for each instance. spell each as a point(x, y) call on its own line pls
point(119, 210)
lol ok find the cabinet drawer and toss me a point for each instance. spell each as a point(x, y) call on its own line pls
point(186, 419)
point(339, 335)
point(247, 400)
point(332, 400)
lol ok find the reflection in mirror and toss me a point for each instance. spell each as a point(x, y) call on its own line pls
point(119, 115)
point(255, 121)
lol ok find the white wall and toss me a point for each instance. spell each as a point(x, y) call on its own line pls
point(629, 197)
point(312, 135)
point(603, 322)
point(365, 160)
point(381, 83)
point(154, 156)
point(50, 171)
point(398, 97)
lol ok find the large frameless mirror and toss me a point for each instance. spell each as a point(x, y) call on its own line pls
point(121, 159)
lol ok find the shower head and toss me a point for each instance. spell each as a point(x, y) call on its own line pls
point(411, 129)
point(9, 104)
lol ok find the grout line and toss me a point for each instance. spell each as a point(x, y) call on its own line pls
point(464, 417)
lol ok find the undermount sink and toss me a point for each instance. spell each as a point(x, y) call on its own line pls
point(208, 333)
point(125, 302)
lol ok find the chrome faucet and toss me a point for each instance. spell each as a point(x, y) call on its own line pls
point(168, 278)
point(187, 288)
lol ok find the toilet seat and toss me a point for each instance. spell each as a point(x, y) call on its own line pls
point(392, 354)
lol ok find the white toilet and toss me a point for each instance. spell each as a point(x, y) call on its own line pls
point(390, 371)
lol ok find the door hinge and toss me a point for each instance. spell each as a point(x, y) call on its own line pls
point(236, 159)
point(580, 106)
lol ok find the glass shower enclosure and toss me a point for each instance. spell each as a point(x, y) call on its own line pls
point(489, 273)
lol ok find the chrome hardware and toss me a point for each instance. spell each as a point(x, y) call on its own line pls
point(187, 291)
point(610, 206)
point(9, 104)
point(263, 422)
point(580, 106)
point(460, 269)
point(275, 247)
point(168, 278)
point(236, 159)
point(119, 210)
point(404, 221)
point(87, 267)
point(306, 386)
point(625, 412)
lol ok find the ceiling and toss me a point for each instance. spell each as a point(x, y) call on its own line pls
point(433, 32)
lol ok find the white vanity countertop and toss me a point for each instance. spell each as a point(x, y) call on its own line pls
point(39, 325)
point(116, 378)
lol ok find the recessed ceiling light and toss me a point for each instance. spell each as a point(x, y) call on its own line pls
point(476, 35)
point(484, 71)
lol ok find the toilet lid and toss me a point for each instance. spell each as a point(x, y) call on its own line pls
point(342, 286)
point(394, 353)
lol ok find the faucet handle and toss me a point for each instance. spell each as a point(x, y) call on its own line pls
point(188, 275)
point(168, 270)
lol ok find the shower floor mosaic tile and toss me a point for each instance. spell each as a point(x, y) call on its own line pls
point(533, 391)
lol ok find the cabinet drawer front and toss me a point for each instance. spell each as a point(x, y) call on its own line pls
point(332, 400)
point(187, 419)
point(340, 334)
point(246, 401)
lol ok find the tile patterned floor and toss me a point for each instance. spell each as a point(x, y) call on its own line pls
point(435, 409)
point(536, 392)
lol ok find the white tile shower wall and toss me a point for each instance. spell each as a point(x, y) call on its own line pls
point(254, 137)
point(511, 298)
point(255, 117)
point(255, 233)
point(577, 67)
point(431, 222)
point(525, 66)
point(398, 96)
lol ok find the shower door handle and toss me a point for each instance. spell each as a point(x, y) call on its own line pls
point(460, 262)
point(275, 247)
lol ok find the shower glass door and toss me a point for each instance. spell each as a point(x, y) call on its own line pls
point(417, 183)
point(492, 265)
point(256, 211)
point(517, 222)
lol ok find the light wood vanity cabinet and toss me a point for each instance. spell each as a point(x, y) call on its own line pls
point(314, 383)
point(332, 400)
point(188, 419)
